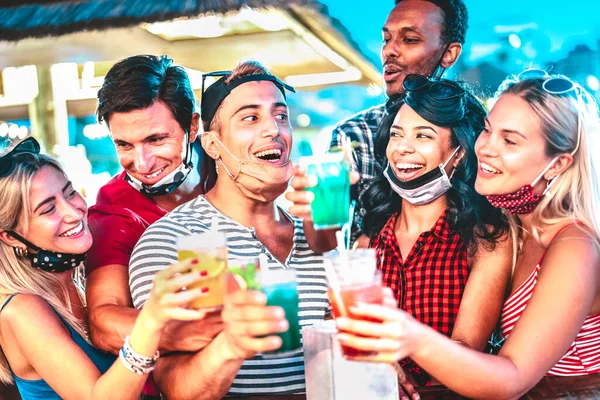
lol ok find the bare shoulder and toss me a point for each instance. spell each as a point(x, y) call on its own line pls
point(574, 242)
point(573, 254)
point(28, 310)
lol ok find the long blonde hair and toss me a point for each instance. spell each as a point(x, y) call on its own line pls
point(570, 124)
point(16, 273)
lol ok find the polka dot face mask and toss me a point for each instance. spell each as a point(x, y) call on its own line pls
point(523, 201)
point(46, 260)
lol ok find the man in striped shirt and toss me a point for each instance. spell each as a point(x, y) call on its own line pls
point(248, 135)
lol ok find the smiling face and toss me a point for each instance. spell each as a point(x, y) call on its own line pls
point(417, 146)
point(58, 220)
point(511, 149)
point(150, 142)
point(254, 125)
point(411, 42)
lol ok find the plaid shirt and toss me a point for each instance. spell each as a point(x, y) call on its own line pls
point(361, 128)
point(429, 283)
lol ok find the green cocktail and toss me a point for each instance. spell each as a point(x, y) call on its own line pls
point(281, 290)
point(331, 205)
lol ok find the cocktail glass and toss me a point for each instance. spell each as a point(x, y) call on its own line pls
point(281, 290)
point(210, 249)
point(332, 192)
point(358, 281)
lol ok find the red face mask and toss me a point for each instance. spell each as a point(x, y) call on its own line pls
point(523, 201)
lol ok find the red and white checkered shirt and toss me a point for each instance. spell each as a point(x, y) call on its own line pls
point(430, 281)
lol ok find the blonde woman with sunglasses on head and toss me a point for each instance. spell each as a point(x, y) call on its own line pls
point(536, 161)
point(43, 240)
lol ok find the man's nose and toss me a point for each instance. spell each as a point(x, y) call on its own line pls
point(389, 50)
point(271, 128)
point(143, 160)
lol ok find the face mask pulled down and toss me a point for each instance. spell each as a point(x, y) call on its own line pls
point(258, 181)
point(46, 260)
point(172, 181)
point(423, 189)
point(524, 200)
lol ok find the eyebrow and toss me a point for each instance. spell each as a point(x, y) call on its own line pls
point(487, 121)
point(158, 135)
point(256, 107)
point(425, 127)
point(405, 29)
point(49, 199)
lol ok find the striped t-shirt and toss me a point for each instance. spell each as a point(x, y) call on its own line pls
point(157, 249)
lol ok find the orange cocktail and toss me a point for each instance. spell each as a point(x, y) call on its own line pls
point(358, 282)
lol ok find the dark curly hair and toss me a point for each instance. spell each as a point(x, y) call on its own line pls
point(471, 215)
point(456, 19)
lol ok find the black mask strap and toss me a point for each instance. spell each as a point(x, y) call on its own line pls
point(439, 70)
point(23, 240)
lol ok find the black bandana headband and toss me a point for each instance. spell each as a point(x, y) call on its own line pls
point(218, 91)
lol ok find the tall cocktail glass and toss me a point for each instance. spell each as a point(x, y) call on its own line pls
point(330, 207)
point(358, 280)
point(281, 289)
point(210, 249)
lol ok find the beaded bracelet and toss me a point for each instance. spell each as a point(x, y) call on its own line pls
point(136, 362)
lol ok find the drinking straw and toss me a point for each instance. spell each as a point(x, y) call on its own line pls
point(265, 271)
point(341, 248)
point(334, 284)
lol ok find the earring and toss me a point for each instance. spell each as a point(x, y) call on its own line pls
point(217, 157)
point(549, 184)
point(21, 251)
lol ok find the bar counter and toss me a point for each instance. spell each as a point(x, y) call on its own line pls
point(551, 387)
point(579, 387)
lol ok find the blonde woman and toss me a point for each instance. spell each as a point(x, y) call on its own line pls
point(536, 161)
point(43, 239)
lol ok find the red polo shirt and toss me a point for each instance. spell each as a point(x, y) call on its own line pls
point(117, 221)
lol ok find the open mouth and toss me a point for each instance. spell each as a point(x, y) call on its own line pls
point(408, 171)
point(489, 169)
point(73, 231)
point(155, 174)
point(272, 156)
point(405, 168)
point(391, 72)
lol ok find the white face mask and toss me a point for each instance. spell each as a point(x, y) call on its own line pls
point(256, 180)
point(172, 181)
point(423, 189)
point(166, 185)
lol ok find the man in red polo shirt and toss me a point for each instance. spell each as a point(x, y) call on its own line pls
point(149, 107)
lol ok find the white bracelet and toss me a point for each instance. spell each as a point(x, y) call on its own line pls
point(136, 362)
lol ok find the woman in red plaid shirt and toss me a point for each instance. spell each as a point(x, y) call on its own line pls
point(442, 248)
point(536, 162)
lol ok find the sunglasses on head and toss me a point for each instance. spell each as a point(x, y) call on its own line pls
point(553, 85)
point(212, 75)
point(439, 90)
point(8, 161)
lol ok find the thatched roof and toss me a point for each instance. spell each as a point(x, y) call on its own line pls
point(38, 18)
